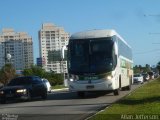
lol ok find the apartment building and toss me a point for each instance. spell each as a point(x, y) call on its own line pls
point(51, 40)
point(18, 47)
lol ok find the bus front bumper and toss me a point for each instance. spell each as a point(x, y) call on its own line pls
point(100, 86)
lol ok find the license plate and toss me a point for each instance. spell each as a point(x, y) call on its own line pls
point(90, 86)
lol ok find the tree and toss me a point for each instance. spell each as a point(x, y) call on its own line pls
point(147, 66)
point(27, 72)
point(7, 73)
point(140, 69)
point(34, 70)
point(54, 79)
point(136, 69)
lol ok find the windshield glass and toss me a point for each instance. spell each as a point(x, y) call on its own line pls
point(90, 55)
point(138, 75)
point(20, 81)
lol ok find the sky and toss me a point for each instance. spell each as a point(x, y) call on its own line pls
point(137, 21)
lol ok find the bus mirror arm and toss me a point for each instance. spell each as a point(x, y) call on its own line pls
point(63, 52)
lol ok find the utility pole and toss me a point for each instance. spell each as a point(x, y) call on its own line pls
point(155, 43)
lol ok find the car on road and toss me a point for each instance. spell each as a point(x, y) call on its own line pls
point(138, 78)
point(1, 85)
point(145, 76)
point(24, 88)
point(151, 75)
point(156, 75)
point(49, 89)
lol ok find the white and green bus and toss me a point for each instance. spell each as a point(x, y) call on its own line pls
point(99, 60)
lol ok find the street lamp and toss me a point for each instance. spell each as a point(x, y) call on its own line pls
point(9, 57)
point(63, 59)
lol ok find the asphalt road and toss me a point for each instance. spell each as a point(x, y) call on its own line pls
point(60, 105)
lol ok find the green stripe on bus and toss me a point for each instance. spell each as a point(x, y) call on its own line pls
point(126, 64)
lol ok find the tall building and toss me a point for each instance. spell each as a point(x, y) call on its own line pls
point(51, 40)
point(16, 48)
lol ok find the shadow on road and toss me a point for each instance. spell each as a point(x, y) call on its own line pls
point(60, 96)
point(58, 105)
point(64, 95)
point(73, 95)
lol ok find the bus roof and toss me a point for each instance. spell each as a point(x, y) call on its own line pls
point(97, 34)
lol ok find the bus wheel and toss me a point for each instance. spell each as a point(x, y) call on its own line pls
point(128, 87)
point(116, 92)
point(80, 94)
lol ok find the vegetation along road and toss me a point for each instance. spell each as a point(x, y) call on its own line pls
point(144, 103)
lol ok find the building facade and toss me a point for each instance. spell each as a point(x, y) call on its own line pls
point(16, 48)
point(51, 40)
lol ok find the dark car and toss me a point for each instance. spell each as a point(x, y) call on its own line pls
point(1, 85)
point(145, 76)
point(151, 75)
point(23, 88)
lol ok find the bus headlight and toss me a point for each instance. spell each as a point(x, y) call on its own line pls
point(71, 79)
point(109, 77)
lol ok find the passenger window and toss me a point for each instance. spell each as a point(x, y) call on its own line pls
point(36, 80)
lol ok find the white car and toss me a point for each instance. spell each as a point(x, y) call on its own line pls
point(138, 78)
point(48, 85)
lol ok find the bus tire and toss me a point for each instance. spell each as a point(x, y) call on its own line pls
point(80, 94)
point(116, 92)
point(128, 87)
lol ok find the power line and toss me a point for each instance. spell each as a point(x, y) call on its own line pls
point(145, 52)
point(152, 15)
point(155, 43)
point(156, 33)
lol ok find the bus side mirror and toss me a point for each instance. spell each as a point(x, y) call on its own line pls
point(116, 49)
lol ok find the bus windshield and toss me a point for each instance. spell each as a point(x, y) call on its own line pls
point(90, 56)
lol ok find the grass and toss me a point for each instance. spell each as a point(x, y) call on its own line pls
point(58, 87)
point(145, 101)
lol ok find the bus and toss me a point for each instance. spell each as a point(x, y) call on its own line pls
point(99, 60)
